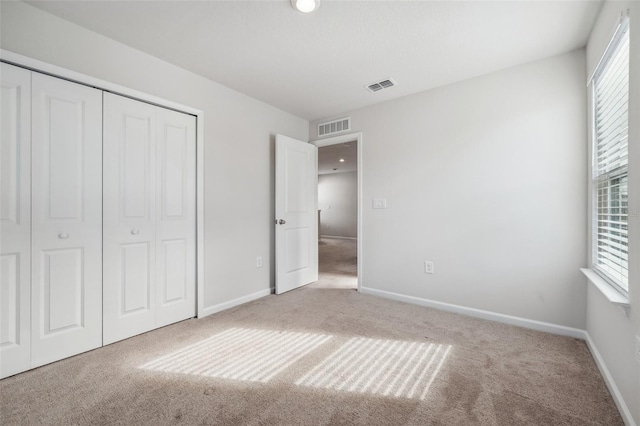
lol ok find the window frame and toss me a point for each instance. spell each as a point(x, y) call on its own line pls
point(621, 32)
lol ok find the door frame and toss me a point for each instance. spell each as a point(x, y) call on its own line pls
point(350, 137)
point(76, 77)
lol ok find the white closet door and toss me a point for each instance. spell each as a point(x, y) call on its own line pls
point(66, 219)
point(15, 220)
point(129, 212)
point(149, 217)
point(175, 217)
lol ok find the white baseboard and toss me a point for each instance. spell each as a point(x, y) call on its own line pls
point(479, 313)
point(627, 417)
point(526, 323)
point(338, 237)
point(235, 302)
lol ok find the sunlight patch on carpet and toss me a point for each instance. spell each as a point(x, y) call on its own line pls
point(382, 367)
point(240, 354)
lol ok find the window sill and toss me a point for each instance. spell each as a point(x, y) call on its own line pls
point(609, 292)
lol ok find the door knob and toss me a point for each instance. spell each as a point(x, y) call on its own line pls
point(63, 235)
point(282, 221)
point(135, 231)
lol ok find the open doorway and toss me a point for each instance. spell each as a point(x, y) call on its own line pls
point(338, 204)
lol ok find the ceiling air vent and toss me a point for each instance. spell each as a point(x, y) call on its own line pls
point(335, 126)
point(379, 85)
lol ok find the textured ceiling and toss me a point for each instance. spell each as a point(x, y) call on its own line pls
point(316, 65)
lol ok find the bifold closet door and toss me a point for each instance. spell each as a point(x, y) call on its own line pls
point(175, 216)
point(66, 270)
point(128, 218)
point(149, 217)
point(15, 220)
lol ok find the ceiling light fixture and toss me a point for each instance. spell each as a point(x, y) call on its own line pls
point(305, 6)
point(342, 160)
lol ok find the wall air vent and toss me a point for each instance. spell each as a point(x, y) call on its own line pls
point(379, 85)
point(335, 126)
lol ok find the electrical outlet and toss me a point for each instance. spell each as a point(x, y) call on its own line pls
point(379, 203)
point(638, 349)
point(428, 267)
point(259, 262)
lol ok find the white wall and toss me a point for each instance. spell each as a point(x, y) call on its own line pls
point(485, 177)
point(338, 200)
point(239, 140)
point(611, 331)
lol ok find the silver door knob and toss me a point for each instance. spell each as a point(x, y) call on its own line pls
point(63, 235)
point(282, 221)
point(135, 231)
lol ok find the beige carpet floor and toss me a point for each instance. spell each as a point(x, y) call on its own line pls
point(320, 355)
point(337, 263)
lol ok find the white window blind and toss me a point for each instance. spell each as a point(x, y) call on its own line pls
point(610, 182)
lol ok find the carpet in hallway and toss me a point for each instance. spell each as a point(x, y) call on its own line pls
point(338, 263)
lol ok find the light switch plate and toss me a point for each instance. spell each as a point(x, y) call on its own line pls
point(379, 203)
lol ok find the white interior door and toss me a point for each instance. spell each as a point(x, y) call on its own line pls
point(296, 213)
point(15, 220)
point(128, 219)
point(175, 217)
point(66, 219)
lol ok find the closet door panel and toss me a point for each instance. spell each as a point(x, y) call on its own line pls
point(176, 216)
point(15, 220)
point(63, 286)
point(136, 280)
point(67, 219)
point(129, 214)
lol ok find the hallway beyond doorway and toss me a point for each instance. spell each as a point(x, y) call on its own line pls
point(338, 267)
